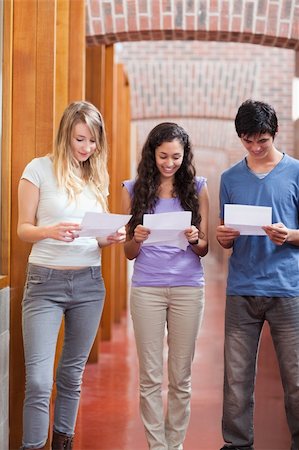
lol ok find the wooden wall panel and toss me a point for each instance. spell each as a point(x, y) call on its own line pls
point(124, 156)
point(23, 121)
point(32, 124)
point(94, 88)
point(120, 174)
point(116, 176)
point(61, 60)
point(125, 162)
point(45, 77)
point(77, 50)
point(70, 55)
point(108, 253)
point(95, 76)
point(6, 143)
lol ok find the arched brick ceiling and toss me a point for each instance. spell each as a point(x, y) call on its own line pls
point(266, 22)
point(190, 88)
point(203, 76)
point(207, 81)
point(202, 79)
point(206, 74)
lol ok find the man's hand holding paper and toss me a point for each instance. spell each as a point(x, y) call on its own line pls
point(278, 233)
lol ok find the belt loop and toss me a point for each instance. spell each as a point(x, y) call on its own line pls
point(50, 274)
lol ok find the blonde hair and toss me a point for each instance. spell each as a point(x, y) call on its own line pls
point(94, 169)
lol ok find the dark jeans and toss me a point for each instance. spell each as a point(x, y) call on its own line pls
point(244, 320)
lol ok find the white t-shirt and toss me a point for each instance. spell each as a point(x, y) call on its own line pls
point(54, 207)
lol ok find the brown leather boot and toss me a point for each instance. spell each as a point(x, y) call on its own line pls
point(61, 441)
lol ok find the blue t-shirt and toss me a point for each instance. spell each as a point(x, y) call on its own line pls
point(257, 266)
point(165, 265)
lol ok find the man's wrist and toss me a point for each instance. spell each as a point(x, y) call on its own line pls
point(226, 244)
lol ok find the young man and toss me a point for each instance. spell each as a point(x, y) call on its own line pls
point(263, 277)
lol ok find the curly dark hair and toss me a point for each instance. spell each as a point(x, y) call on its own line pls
point(148, 176)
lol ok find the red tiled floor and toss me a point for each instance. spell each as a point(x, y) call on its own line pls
point(109, 418)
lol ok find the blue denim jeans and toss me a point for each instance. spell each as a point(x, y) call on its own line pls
point(244, 319)
point(50, 294)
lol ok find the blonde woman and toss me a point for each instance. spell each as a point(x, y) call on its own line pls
point(64, 270)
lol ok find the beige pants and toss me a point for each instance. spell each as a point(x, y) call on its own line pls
point(181, 309)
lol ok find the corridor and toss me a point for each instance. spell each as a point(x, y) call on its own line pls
point(109, 417)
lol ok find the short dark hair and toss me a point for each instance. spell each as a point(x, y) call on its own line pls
point(255, 118)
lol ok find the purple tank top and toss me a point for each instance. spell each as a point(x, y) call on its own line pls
point(165, 265)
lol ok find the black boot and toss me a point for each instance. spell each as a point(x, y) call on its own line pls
point(61, 441)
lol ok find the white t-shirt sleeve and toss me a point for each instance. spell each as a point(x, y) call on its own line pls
point(33, 172)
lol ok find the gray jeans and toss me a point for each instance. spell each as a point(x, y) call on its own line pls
point(50, 294)
point(244, 319)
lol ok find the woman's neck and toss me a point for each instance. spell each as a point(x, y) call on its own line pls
point(166, 188)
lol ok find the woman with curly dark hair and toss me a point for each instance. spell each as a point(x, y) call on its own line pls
point(168, 282)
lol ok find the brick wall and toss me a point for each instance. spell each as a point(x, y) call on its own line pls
point(208, 81)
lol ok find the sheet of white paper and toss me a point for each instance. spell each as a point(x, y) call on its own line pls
point(102, 224)
point(168, 228)
point(247, 219)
